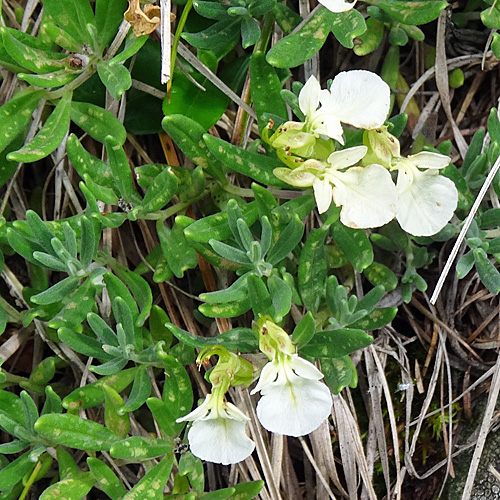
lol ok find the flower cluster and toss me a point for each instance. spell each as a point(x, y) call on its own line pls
point(359, 178)
point(294, 402)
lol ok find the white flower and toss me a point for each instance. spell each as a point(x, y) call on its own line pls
point(337, 5)
point(359, 98)
point(294, 402)
point(367, 194)
point(218, 432)
point(427, 200)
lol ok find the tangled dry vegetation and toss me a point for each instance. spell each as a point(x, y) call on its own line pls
point(400, 433)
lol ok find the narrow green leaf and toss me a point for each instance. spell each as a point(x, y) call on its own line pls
point(266, 88)
point(75, 432)
point(34, 60)
point(57, 292)
point(237, 291)
point(73, 17)
point(49, 80)
point(281, 296)
point(287, 241)
point(339, 373)
point(226, 310)
point(237, 339)
point(488, 273)
point(14, 472)
point(346, 26)
point(106, 479)
point(67, 466)
point(376, 319)
point(312, 270)
point(115, 77)
point(52, 402)
point(254, 165)
point(153, 482)
point(218, 36)
point(97, 122)
point(188, 135)
point(295, 49)
point(259, 296)
point(108, 16)
point(304, 331)
point(73, 488)
point(16, 113)
point(336, 343)
point(141, 390)
point(84, 344)
point(355, 245)
point(92, 394)
point(116, 422)
point(120, 167)
point(161, 191)
point(61, 37)
point(414, 13)
point(140, 448)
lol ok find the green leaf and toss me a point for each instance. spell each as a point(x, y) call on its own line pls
point(84, 344)
point(97, 122)
point(106, 479)
point(488, 273)
point(72, 488)
point(115, 77)
point(67, 466)
point(161, 191)
point(179, 254)
point(216, 226)
point(250, 32)
point(85, 163)
point(465, 265)
point(370, 39)
point(237, 339)
point(312, 270)
point(52, 402)
point(336, 343)
point(287, 241)
point(120, 167)
point(192, 467)
point(108, 16)
point(14, 472)
point(140, 448)
point(204, 105)
point(378, 274)
point(132, 45)
point(295, 49)
point(304, 331)
point(141, 390)
point(75, 311)
point(355, 245)
point(30, 58)
point(72, 16)
point(259, 296)
point(57, 292)
point(266, 88)
point(217, 37)
point(153, 482)
point(92, 394)
point(376, 319)
point(339, 373)
point(247, 491)
point(226, 309)
point(118, 291)
point(414, 13)
point(188, 135)
point(75, 432)
point(60, 37)
point(281, 296)
point(49, 80)
point(30, 411)
point(16, 113)
point(346, 26)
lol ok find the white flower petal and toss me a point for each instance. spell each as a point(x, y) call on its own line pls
point(267, 376)
point(347, 157)
point(323, 194)
point(199, 412)
point(304, 368)
point(426, 159)
point(337, 5)
point(309, 96)
point(324, 122)
point(294, 408)
point(298, 178)
point(220, 440)
point(427, 201)
point(360, 98)
point(367, 195)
